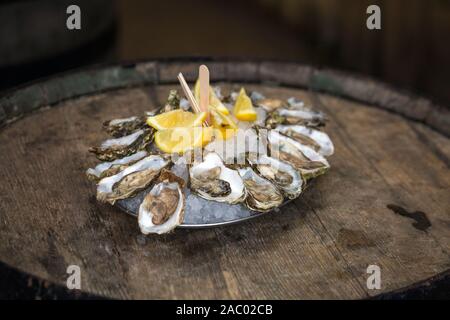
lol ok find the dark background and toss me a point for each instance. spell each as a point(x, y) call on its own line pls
point(411, 51)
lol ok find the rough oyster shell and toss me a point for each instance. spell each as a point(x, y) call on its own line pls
point(162, 209)
point(292, 112)
point(318, 140)
point(282, 174)
point(131, 180)
point(113, 149)
point(107, 169)
point(212, 180)
point(262, 195)
point(123, 127)
point(173, 102)
point(303, 158)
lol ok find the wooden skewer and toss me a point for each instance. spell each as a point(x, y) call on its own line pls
point(203, 75)
point(188, 93)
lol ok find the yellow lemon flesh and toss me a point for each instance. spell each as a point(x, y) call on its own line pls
point(243, 108)
point(214, 101)
point(180, 140)
point(220, 120)
point(176, 118)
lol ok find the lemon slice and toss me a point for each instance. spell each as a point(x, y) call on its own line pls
point(176, 118)
point(243, 109)
point(181, 139)
point(214, 101)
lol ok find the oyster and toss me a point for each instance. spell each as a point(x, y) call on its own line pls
point(271, 105)
point(107, 169)
point(306, 117)
point(313, 138)
point(262, 195)
point(282, 174)
point(292, 112)
point(213, 181)
point(163, 207)
point(256, 96)
point(131, 180)
point(122, 127)
point(303, 158)
point(173, 101)
point(113, 149)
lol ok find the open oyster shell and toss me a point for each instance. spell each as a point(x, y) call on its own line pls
point(162, 209)
point(318, 140)
point(107, 169)
point(123, 127)
point(262, 195)
point(271, 105)
point(113, 149)
point(303, 158)
point(132, 179)
point(292, 111)
point(212, 180)
point(282, 174)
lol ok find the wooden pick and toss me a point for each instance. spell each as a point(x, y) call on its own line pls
point(203, 75)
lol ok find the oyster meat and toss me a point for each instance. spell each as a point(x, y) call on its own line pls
point(262, 195)
point(212, 180)
point(271, 105)
point(162, 209)
point(303, 158)
point(132, 179)
point(282, 174)
point(107, 169)
point(113, 149)
point(123, 127)
point(316, 139)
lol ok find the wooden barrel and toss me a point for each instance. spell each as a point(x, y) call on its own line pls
point(385, 201)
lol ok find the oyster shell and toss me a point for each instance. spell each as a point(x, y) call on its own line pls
point(262, 195)
point(282, 174)
point(292, 112)
point(303, 158)
point(162, 209)
point(123, 127)
point(132, 179)
point(173, 101)
point(313, 138)
point(107, 169)
point(234, 150)
point(212, 180)
point(113, 149)
point(256, 96)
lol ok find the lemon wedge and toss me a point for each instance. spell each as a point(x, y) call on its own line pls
point(182, 139)
point(214, 101)
point(224, 133)
point(243, 108)
point(176, 118)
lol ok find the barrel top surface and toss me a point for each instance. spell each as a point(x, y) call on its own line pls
point(384, 202)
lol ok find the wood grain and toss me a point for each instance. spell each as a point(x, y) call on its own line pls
point(317, 247)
